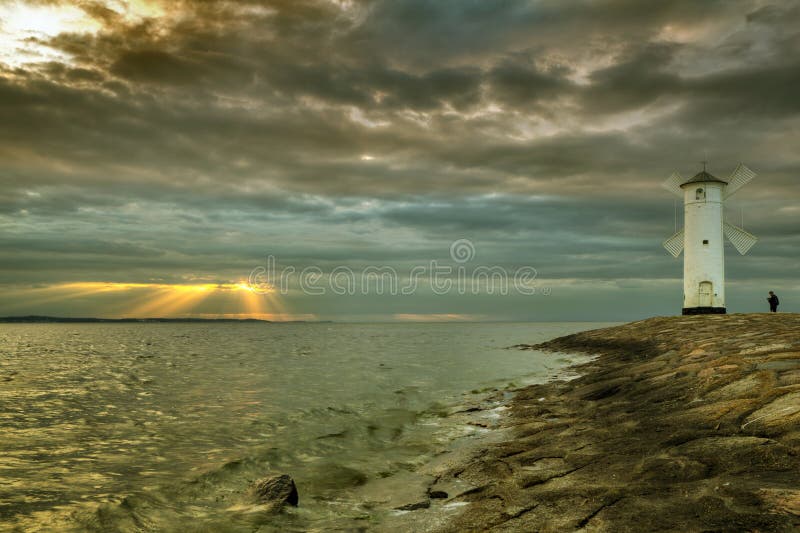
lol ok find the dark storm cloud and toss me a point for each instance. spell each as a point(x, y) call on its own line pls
point(637, 79)
point(221, 71)
point(380, 131)
point(526, 87)
point(155, 65)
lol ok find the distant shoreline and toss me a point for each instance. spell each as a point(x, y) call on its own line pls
point(35, 319)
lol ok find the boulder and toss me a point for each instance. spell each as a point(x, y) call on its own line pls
point(277, 491)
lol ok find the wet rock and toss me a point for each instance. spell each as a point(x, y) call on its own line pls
point(424, 504)
point(276, 491)
point(398, 491)
point(452, 486)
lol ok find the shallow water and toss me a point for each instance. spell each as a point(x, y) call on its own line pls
point(163, 426)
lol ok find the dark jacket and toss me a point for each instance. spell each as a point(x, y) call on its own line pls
point(773, 300)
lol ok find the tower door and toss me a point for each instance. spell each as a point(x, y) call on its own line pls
point(706, 294)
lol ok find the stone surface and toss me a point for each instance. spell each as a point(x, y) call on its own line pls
point(687, 423)
point(402, 490)
point(422, 504)
point(276, 491)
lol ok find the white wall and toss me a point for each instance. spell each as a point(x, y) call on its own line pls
point(703, 262)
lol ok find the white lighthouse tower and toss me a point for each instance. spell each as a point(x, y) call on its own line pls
point(702, 237)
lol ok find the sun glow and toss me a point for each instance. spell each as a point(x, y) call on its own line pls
point(151, 300)
point(25, 28)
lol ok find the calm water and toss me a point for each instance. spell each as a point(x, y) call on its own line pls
point(150, 427)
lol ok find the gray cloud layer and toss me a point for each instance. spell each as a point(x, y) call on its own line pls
point(194, 143)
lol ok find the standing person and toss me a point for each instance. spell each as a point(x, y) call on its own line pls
point(773, 302)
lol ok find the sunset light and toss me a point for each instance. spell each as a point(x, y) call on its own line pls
point(25, 29)
point(149, 300)
point(399, 265)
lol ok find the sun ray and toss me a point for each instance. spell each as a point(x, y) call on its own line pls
point(156, 300)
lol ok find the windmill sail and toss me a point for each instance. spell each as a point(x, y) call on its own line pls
point(741, 239)
point(740, 177)
point(673, 185)
point(674, 244)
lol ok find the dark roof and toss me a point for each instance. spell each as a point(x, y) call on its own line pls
point(703, 177)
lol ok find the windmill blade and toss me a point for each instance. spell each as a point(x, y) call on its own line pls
point(674, 244)
point(740, 239)
point(673, 185)
point(740, 177)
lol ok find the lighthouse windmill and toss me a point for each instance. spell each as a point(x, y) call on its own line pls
point(701, 238)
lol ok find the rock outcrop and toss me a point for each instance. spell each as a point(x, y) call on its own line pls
point(275, 491)
point(681, 423)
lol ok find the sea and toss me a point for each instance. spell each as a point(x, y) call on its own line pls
point(164, 426)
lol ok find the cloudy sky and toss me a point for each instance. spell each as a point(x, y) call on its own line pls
point(153, 154)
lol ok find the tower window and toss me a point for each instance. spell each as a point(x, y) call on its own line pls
point(705, 241)
point(700, 194)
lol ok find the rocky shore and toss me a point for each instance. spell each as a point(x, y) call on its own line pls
point(680, 424)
